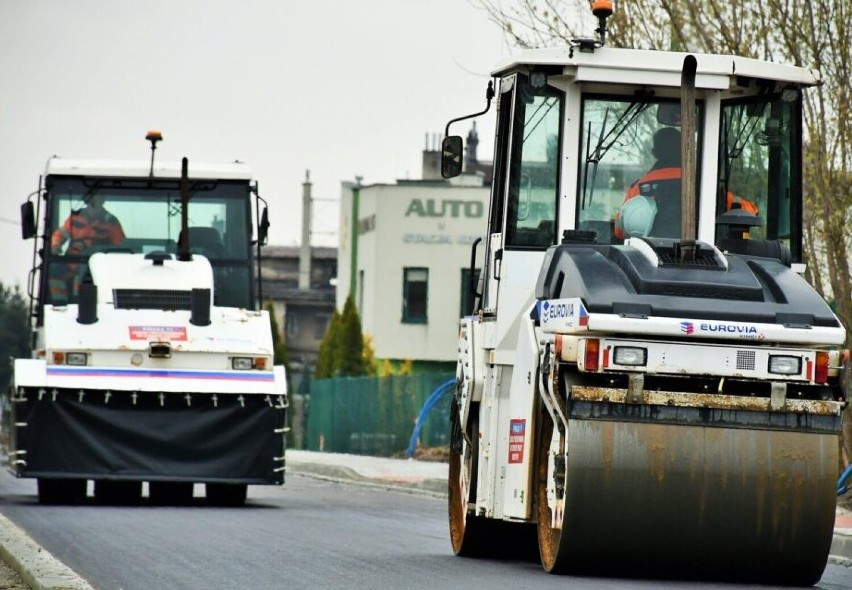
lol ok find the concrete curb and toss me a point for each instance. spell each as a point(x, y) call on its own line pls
point(38, 568)
point(427, 486)
point(841, 548)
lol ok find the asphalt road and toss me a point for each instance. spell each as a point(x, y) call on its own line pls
point(308, 534)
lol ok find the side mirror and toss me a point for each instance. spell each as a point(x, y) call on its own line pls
point(452, 150)
point(28, 222)
point(263, 228)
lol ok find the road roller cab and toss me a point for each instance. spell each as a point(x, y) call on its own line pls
point(643, 354)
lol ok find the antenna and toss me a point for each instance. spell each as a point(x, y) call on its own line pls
point(153, 136)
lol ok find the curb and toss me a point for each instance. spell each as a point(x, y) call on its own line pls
point(38, 568)
point(841, 548)
point(338, 473)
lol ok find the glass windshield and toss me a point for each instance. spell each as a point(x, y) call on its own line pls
point(630, 174)
point(533, 186)
point(759, 165)
point(89, 215)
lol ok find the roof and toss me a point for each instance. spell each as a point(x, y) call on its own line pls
point(633, 66)
point(141, 169)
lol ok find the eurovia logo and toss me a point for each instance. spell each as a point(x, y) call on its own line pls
point(687, 328)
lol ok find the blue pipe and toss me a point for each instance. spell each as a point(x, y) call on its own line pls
point(430, 402)
point(841, 487)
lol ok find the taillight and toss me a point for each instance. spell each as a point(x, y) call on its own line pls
point(821, 370)
point(590, 359)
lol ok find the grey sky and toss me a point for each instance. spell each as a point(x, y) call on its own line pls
point(340, 88)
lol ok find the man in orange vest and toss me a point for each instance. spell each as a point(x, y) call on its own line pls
point(666, 170)
point(83, 230)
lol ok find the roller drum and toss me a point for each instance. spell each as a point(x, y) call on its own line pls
point(723, 502)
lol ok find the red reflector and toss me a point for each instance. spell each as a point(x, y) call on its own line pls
point(809, 369)
point(606, 357)
point(821, 371)
point(591, 359)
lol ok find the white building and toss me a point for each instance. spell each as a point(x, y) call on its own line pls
point(413, 252)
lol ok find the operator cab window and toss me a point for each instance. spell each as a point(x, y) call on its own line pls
point(629, 177)
point(760, 163)
point(149, 215)
point(534, 171)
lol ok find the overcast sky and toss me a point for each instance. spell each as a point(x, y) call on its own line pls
point(340, 88)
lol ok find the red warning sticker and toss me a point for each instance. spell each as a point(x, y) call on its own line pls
point(158, 333)
point(517, 433)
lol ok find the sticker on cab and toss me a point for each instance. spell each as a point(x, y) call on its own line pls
point(517, 433)
point(562, 314)
point(158, 333)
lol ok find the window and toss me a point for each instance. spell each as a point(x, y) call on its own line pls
point(533, 184)
point(291, 324)
point(321, 325)
point(631, 148)
point(467, 297)
point(415, 288)
point(149, 215)
point(759, 163)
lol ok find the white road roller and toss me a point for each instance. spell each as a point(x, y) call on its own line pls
point(151, 361)
point(645, 375)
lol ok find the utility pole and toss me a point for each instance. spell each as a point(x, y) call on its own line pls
point(353, 266)
point(305, 249)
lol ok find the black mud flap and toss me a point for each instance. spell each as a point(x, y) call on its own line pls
point(227, 438)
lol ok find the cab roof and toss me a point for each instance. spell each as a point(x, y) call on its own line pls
point(57, 166)
point(656, 68)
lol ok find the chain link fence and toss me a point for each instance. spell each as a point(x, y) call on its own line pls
point(375, 415)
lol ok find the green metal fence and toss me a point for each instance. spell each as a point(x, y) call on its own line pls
point(375, 415)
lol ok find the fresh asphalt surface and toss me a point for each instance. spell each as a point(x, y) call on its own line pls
point(311, 533)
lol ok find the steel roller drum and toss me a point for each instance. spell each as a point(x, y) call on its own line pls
point(698, 494)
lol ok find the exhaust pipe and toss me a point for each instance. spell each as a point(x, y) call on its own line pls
point(688, 231)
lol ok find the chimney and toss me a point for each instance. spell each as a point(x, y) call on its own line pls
point(471, 160)
point(305, 249)
point(431, 160)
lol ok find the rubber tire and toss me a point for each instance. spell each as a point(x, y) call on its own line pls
point(226, 494)
point(61, 491)
point(170, 493)
point(468, 533)
point(554, 558)
point(118, 493)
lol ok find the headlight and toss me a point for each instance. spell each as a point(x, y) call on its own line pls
point(630, 355)
point(785, 365)
point(242, 363)
point(76, 358)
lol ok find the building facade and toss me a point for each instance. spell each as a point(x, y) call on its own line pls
point(303, 310)
point(409, 264)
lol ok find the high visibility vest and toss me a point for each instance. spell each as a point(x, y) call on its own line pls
point(672, 173)
point(85, 228)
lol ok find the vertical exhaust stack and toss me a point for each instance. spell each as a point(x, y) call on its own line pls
point(688, 153)
point(183, 247)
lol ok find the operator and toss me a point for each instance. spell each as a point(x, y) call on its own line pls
point(83, 230)
point(636, 216)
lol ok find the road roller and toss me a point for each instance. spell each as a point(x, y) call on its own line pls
point(645, 378)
